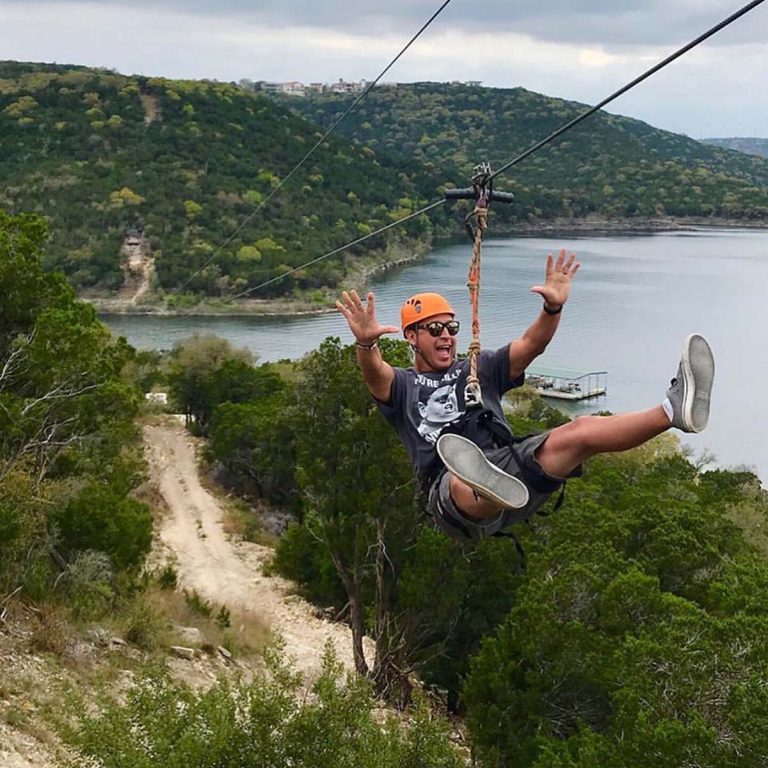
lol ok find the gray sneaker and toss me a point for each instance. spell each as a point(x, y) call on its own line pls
point(468, 463)
point(691, 389)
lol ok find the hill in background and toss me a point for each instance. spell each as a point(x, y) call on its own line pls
point(186, 164)
point(183, 166)
point(608, 165)
point(749, 146)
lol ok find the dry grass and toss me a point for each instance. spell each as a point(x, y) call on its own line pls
point(150, 494)
point(51, 632)
point(246, 633)
point(240, 520)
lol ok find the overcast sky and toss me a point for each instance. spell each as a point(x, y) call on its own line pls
point(581, 50)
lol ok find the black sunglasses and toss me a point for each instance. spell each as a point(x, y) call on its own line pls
point(435, 327)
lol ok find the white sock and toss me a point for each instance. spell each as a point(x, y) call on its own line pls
point(667, 406)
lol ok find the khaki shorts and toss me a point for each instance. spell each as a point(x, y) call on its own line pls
point(454, 523)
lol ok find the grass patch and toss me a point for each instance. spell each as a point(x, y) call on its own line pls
point(145, 627)
point(241, 632)
point(51, 633)
point(167, 577)
point(15, 717)
point(240, 519)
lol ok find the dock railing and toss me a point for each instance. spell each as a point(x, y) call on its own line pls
point(565, 384)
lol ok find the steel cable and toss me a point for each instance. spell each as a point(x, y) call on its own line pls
point(587, 113)
point(319, 142)
point(339, 250)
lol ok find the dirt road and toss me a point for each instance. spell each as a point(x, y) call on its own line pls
point(225, 571)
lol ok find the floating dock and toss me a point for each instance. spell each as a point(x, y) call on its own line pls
point(562, 384)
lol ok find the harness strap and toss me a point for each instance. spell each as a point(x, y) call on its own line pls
point(518, 547)
point(558, 503)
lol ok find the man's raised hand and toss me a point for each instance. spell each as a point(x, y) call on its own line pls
point(557, 283)
point(361, 319)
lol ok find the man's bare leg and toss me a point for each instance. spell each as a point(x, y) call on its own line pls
point(686, 407)
point(571, 444)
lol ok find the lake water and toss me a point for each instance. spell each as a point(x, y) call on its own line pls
point(633, 301)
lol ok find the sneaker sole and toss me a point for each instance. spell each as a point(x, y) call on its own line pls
point(465, 460)
point(698, 376)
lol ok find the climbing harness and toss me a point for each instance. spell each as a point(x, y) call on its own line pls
point(481, 419)
point(483, 194)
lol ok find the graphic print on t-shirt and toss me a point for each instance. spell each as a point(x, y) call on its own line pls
point(441, 408)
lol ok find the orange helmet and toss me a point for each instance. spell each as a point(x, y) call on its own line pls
point(424, 305)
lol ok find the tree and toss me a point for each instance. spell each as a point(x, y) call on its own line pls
point(66, 418)
point(358, 492)
point(100, 518)
point(362, 541)
point(255, 442)
point(202, 368)
point(630, 640)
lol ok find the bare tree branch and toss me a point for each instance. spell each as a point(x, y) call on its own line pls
point(60, 392)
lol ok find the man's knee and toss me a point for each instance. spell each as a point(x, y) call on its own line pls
point(567, 446)
point(576, 435)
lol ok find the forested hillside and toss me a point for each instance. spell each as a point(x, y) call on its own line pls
point(610, 165)
point(632, 622)
point(187, 163)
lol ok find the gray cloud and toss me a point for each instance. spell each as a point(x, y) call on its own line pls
point(608, 23)
point(580, 51)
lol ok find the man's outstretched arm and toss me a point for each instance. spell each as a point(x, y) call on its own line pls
point(377, 373)
point(555, 291)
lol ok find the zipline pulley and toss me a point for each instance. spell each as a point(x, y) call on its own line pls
point(483, 194)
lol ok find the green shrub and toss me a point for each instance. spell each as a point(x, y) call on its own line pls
point(100, 518)
point(88, 584)
point(144, 626)
point(299, 556)
point(52, 633)
point(168, 578)
point(38, 575)
point(198, 604)
point(261, 724)
point(223, 618)
point(22, 504)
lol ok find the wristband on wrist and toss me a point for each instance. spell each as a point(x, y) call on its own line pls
point(552, 310)
point(372, 345)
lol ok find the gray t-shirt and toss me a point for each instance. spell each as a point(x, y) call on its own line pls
point(423, 404)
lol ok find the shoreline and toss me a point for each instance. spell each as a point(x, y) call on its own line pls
point(401, 255)
point(360, 273)
point(597, 225)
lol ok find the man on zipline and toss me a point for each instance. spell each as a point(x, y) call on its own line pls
point(484, 479)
